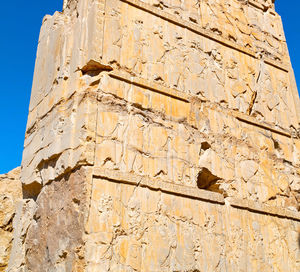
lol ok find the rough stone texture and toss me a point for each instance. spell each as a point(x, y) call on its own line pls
point(55, 239)
point(25, 211)
point(162, 136)
point(83, 114)
point(137, 229)
point(10, 194)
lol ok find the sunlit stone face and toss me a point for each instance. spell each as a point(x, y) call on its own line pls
point(162, 136)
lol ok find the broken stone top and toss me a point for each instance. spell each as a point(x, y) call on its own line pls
point(262, 4)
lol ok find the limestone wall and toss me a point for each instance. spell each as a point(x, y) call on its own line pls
point(142, 225)
point(204, 87)
point(179, 140)
point(180, 54)
point(110, 221)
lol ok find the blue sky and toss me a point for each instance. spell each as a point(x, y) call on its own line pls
point(20, 23)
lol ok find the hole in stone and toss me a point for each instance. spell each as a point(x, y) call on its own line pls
point(205, 146)
point(206, 179)
point(76, 201)
point(31, 190)
point(276, 144)
point(94, 68)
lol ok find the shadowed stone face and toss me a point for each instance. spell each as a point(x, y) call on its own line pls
point(55, 239)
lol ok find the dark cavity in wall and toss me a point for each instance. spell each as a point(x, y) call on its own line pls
point(206, 179)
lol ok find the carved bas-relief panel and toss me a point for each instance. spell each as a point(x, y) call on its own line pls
point(135, 228)
point(156, 49)
point(191, 143)
point(252, 24)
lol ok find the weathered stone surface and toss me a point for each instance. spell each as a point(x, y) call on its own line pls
point(54, 241)
point(135, 228)
point(25, 211)
point(10, 194)
point(162, 136)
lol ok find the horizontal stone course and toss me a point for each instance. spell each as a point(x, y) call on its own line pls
point(193, 193)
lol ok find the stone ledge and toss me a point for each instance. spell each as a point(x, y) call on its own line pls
point(252, 121)
point(192, 192)
point(257, 207)
point(151, 86)
point(256, 5)
point(283, 67)
point(203, 32)
point(158, 185)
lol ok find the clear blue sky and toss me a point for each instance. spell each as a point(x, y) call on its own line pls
point(20, 23)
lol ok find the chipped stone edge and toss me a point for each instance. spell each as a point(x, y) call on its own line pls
point(157, 185)
point(258, 207)
point(203, 32)
point(192, 192)
point(187, 98)
point(252, 121)
point(256, 5)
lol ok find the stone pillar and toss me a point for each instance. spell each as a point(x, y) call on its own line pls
point(162, 136)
